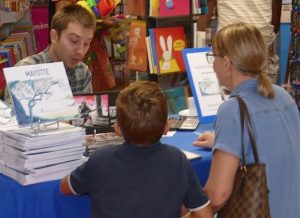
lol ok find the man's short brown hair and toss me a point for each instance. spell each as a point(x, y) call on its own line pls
point(72, 14)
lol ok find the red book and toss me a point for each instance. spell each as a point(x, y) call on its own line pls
point(168, 8)
point(169, 42)
point(3, 64)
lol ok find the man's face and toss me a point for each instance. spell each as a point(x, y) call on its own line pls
point(72, 45)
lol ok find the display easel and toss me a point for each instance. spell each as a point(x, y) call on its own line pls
point(39, 127)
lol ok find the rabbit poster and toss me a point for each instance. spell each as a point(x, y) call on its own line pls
point(169, 42)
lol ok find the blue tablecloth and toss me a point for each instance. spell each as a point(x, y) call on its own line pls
point(44, 200)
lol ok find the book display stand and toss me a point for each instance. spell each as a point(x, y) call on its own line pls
point(39, 127)
point(203, 83)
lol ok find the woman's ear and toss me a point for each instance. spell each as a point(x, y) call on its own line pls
point(227, 62)
point(53, 36)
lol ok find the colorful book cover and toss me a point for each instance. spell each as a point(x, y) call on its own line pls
point(168, 8)
point(9, 54)
point(20, 43)
point(87, 110)
point(96, 111)
point(29, 43)
point(176, 98)
point(169, 42)
point(40, 93)
point(21, 28)
point(137, 51)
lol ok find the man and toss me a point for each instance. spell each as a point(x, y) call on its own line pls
point(72, 29)
point(259, 14)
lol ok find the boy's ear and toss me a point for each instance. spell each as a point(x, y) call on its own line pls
point(167, 127)
point(117, 129)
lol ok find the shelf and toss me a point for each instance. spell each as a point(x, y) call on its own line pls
point(10, 17)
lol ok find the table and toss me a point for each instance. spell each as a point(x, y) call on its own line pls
point(44, 200)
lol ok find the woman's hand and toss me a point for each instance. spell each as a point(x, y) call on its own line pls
point(206, 140)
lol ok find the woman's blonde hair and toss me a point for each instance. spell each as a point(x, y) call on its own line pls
point(245, 47)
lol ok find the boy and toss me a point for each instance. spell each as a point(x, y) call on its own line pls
point(141, 178)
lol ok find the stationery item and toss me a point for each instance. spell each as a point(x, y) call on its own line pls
point(249, 197)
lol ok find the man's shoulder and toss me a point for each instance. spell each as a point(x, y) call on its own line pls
point(30, 60)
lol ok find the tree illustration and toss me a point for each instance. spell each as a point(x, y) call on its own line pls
point(31, 91)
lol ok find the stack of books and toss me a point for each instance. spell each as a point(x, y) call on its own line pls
point(94, 141)
point(49, 153)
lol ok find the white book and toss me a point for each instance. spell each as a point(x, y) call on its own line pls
point(40, 93)
point(25, 164)
point(24, 138)
point(43, 152)
point(48, 169)
point(27, 179)
point(149, 54)
point(45, 155)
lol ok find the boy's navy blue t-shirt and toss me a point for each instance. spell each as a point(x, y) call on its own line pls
point(139, 182)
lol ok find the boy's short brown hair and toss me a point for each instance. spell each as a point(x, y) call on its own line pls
point(73, 13)
point(142, 112)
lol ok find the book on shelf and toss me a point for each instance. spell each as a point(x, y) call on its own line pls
point(150, 55)
point(40, 93)
point(27, 39)
point(16, 42)
point(167, 44)
point(174, 8)
point(9, 54)
point(3, 64)
point(26, 27)
point(137, 52)
point(154, 8)
point(135, 7)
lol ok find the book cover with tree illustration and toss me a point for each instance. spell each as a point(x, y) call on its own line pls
point(40, 93)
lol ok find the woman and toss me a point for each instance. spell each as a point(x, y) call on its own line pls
point(239, 59)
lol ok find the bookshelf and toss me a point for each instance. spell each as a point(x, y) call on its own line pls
point(157, 20)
